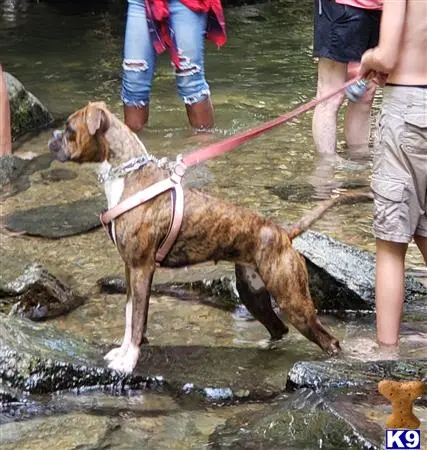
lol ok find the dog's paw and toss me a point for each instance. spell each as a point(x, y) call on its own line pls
point(125, 362)
point(115, 353)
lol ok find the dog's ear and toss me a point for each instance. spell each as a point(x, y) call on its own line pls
point(96, 117)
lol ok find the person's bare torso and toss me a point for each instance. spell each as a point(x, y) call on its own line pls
point(412, 65)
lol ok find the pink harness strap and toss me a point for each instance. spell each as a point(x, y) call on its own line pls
point(177, 207)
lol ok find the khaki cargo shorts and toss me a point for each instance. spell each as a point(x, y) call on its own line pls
point(399, 179)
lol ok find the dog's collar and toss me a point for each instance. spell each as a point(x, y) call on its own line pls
point(107, 172)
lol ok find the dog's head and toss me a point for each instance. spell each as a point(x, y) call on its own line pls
point(81, 140)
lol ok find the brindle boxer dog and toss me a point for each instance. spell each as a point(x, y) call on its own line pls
point(212, 230)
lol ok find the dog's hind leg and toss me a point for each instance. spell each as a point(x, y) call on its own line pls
point(256, 298)
point(140, 279)
point(284, 273)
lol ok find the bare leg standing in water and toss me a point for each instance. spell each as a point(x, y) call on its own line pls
point(5, 132)
point(343, 30)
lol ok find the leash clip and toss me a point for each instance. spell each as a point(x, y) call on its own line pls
point(178, 170)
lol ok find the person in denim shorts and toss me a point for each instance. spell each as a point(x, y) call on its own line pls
point(343, 31)
point(181, 26)
point(399, 179)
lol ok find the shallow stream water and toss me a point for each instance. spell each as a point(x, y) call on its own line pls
point(69, 53)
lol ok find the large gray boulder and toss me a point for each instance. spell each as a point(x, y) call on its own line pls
point(27, 112)
point(342, 277)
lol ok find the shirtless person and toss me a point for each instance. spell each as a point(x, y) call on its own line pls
point(399, 178)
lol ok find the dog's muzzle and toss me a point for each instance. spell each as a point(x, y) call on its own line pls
point(55, 146)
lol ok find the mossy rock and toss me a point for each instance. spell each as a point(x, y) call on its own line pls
point(27, 112)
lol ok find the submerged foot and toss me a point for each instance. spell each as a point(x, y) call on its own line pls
point(126, 362)
point(367, 349)
point(115, 353)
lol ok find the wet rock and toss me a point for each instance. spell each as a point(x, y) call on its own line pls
point(306, 420)
point(59, 221)
point(27, 112)
point(58, 174)
point(35, 293)
point(335, 373)
point(10, 168)
point(343, 277)
point(41, 359)
point(112, 285)
point(217, 289)
point(14, 172)
point(10, 397)
point(65, 432)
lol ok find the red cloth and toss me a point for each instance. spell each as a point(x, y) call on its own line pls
point(157, 12)
point(364, 4)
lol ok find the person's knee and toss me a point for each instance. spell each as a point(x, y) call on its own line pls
point(190, 81)
point(135, 117)
point(136, 83)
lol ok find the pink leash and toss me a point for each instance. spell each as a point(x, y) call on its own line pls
point(238, 139)
point(174, 181)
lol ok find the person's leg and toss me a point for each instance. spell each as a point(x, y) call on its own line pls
point(421, 242)
point(389, 290)
point(330, 75)
point(189, 29)
point(357, 123)
point(5, 131)
point(365, 34)
point(138, 67)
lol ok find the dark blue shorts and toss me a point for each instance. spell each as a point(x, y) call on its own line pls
point(343, 33)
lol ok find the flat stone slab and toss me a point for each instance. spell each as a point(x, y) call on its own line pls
point(57, 221)
point(338, 373)
point(38, 360)
point(76, 431)
point(342, 276)
point(58, 174)
point(15, 172)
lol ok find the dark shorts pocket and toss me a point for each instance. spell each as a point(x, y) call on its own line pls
point(391, 209)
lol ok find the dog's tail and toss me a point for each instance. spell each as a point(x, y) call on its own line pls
point(315, 214)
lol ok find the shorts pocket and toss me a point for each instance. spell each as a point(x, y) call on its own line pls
point(379, 129)
point(415, 132)
point(391, 209)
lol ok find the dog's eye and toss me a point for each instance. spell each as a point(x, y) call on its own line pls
point(70, 133)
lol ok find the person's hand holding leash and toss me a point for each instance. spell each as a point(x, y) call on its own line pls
point(367, 72)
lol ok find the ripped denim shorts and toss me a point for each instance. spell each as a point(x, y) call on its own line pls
point(139, 64)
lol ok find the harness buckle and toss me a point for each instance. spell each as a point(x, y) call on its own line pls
point(179, 170)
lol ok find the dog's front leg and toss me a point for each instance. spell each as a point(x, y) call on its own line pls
point(139, 287)
point(120, 351)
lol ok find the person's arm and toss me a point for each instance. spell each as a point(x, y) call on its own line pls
point(384, 57)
